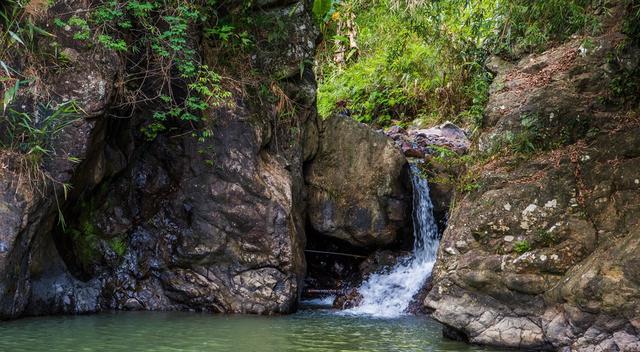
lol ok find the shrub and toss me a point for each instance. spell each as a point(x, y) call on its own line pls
point(522, 246)
point(398, 73)
point(160, 30)
point(545, 237)
point(423, 61)
point(526, 26)
point(33, 136)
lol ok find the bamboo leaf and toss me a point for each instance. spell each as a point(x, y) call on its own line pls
point(16, 38)
point(9, 95)
point(5, 67)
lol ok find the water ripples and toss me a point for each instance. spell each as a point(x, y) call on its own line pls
point(307, 331)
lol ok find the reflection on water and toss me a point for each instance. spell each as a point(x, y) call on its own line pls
point(306, 331)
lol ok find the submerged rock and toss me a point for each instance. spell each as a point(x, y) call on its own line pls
point(350, 299)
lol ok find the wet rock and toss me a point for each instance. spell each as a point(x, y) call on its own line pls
point(411, 152)
point(133, 304)
point(380, 261)
point(446, 135)
point(350, 299)
point(356, 185)
point(421, 144)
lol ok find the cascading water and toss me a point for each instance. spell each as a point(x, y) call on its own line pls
point(389, 294)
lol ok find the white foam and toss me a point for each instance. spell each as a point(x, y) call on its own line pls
point(388, 295)
point(326, 301)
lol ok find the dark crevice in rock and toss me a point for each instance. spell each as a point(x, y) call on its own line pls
point(454, 334)
point(331, 270)
point(106, 157)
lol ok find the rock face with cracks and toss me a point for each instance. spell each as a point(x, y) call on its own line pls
point(175, 223)
point(357, 185)
point(29, 198)
point(169, 224)
point(545, 254)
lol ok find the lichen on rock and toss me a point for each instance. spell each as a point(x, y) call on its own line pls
point(551, 239)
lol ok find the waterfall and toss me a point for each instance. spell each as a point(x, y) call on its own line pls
point(389, 294)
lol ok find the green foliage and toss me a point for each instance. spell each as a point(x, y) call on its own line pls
point(534, 135)
point(631, 25)
point(625, 86)
point(118, 245)
point(33, 135)
point(423, 61)
point(165, 73)
point(111, 43)
point(522, 246)
point(526, 26)
point(156, 37)
point(229, 36)
point(467, 182)
point(477, 89)
point(413, 64)
point(86, 242)
point(17, 30)
point(453, 169)
point(530, 138)
point(81, 27)
point(321, 9)
point(443, 154)
point(396, 76)
point(546, 238)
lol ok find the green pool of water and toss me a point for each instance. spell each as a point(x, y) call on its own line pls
point(306, 331)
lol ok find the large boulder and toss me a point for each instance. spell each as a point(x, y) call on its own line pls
point(357, 185)
point(174, 223)
point(220, 231)
point(544, 254)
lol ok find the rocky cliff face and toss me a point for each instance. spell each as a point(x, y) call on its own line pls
point(181, 224)
point(545, 253)
point(30, 197)
point(173, 223)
